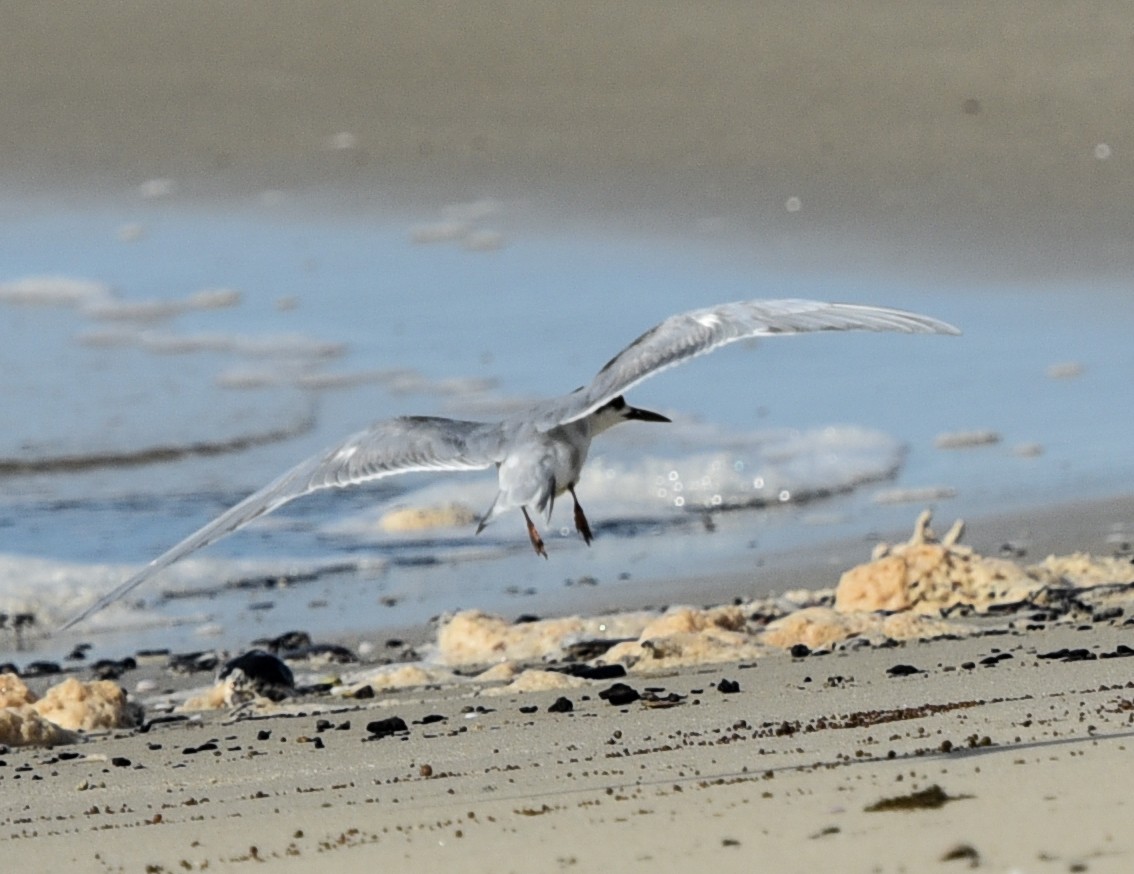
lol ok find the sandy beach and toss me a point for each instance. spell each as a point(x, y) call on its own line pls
point(984, 729)
point(1017, 762)
point(988, 139)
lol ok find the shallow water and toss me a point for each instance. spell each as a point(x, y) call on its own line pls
point(192, 354)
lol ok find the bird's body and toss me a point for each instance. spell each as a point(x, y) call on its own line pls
point(540, 451)
point(538, 466)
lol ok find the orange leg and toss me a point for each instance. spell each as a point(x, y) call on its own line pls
point(537, 541)
point(581, 523)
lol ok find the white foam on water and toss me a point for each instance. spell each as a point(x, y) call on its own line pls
point(53, 591)
point(732, 472)
point(159, 309)
point(55, 291)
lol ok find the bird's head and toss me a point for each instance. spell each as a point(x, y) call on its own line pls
point(616, 411)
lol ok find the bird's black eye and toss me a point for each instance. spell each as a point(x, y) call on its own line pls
point(615, 405)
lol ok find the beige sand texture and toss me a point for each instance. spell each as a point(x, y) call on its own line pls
point(891, 741)
point(990, 749)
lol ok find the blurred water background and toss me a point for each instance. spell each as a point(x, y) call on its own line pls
point(161, 358)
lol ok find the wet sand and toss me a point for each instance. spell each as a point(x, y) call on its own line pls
point(990, 139)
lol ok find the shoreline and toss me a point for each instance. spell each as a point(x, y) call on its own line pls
point(887, 754)
point(1101, 527)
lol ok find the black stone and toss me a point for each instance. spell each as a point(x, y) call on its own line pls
point(564, 705)
point(585, 650)
point(331, 652)
point(192, 662)
point(728, 687)
point(385, 727)
point(161, 720)
point(903, 670)
point(289, 641)
point(592, 672)
point(112, 669)
point(619, 694)
point(265, 673)
point(1069, 655)
point(40, 669)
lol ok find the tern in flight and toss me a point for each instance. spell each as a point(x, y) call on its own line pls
point(539, 452)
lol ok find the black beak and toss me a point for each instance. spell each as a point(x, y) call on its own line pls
point(635, 414)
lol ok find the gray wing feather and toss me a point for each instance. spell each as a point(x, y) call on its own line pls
point(683, 337)
point(385, 449)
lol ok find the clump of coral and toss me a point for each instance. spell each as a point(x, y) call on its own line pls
point(930, 576)
point(65, 710)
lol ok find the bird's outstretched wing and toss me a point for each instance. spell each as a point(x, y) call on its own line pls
point(384, 449)
point(687, 335)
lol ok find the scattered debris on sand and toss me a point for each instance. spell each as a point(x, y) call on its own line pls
point(924, 588)
point(921, 589)
point(934, 577)
point(929, 798)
